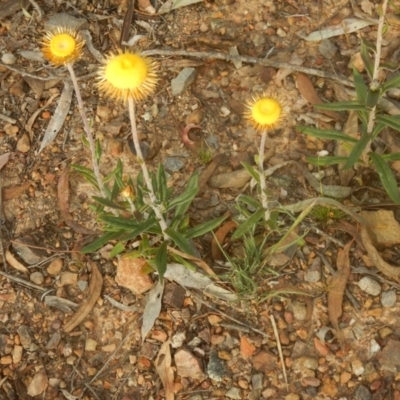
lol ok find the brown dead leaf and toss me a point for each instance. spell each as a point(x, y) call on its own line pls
point(377, 260)
point(321, 347)
point(95, 286)
point(307, 90)
point(219, 239)
point(63, 204)
point(15, 263)
point(4, 159)
point(13, 192)
point(165, 371)
point(247, 349)
point(343, 150)
point(337, 287)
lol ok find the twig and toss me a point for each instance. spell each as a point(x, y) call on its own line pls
point(8, 119)
point(23, 282)
point(38, 9)
point(278, 343)
point(153, 199)
point(249, 60)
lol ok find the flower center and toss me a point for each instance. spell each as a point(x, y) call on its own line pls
point(126, 71)
point(266, 111)
point(62, 45)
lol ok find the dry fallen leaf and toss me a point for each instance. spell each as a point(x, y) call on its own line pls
point(95, 286)
point(219, 239)
point(165, 371)
point(152, 308)
point(4, 159)
point(307, 90)
point(337, 287)
point(10, 193)
point(15, 263)
point(376, 259)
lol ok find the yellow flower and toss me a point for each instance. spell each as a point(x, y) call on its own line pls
point(128, 75)
point(265, 112)
point(62, 46)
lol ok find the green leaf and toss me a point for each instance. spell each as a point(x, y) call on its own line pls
point(372, 98)
point(391, 157)
point(328, 160)
point(100, 242)
point(368, 62)
point(357, 150)
point(390, 120)
point(162, 189)
point(254, 174)
point(160, 261)
point(377, 129)
point(87, 173)
point(119, 222)
point(386, 176)
point(146, 226)
point(249, 224)
point(361, 87)
point(390, 65)
point(98, 151)
point(249, 201)
point(329, 134)
point(117, 249)
point(190, 192)
point(107, 203)
point(392, 83)
point(204, 227)
point(184, 244)
point(341, 106)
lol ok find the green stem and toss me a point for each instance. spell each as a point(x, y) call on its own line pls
point(153, 199)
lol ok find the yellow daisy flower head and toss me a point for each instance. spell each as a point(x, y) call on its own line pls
point(128, 75)
point(265, 112)
point(62, 46)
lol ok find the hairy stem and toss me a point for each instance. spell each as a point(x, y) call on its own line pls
point(153, 199)
point(263, 186)
point(87, 129)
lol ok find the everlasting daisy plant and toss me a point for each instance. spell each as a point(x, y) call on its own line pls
point(265, 113)
point(131, 77)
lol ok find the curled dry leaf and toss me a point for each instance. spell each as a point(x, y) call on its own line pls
point(95, 286)
point(15, 263)
point(307, 90)
point(219, 239)
point(165, 371)
point(377, 260)
point(185, 134)
point(337, 287)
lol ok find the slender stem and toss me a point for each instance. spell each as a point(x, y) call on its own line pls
point(263, 186)
point(153, 199)
point(374, 80)
point(87, 129)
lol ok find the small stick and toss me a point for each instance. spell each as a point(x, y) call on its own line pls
point(278, 343)
point(23, 282)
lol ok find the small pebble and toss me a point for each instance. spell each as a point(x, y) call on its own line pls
point(234, 393)
point(37, 278)
point(55, 267)
point(369, 286)
point(90, 345)
point(204, 27)
point(23, 144)
point(8, 58)
point(388, 298)
point(357, 367)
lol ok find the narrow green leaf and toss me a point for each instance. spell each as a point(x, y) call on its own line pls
point(160, 261)
point(254, 174)
point(100, 242)
point(391, 157)
point(329, 134)
point(390, 120)
point(372, 98)
point(119, 222)
point(161, 184)
point(146, 226)
point(117, 249)
point(87, 174)
point(361, 87)
point(98, 151)
point(107, 203)
point(204, 227)
point(390, 65)
point(392, 83)
point(184, 244)
point(249, 201)
point(386, 176)
point(341, 106)
point(328, 160)
point(357, 150)
point(192, 188)
point(368, 62)
point(249, 224)
point(377, 129)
